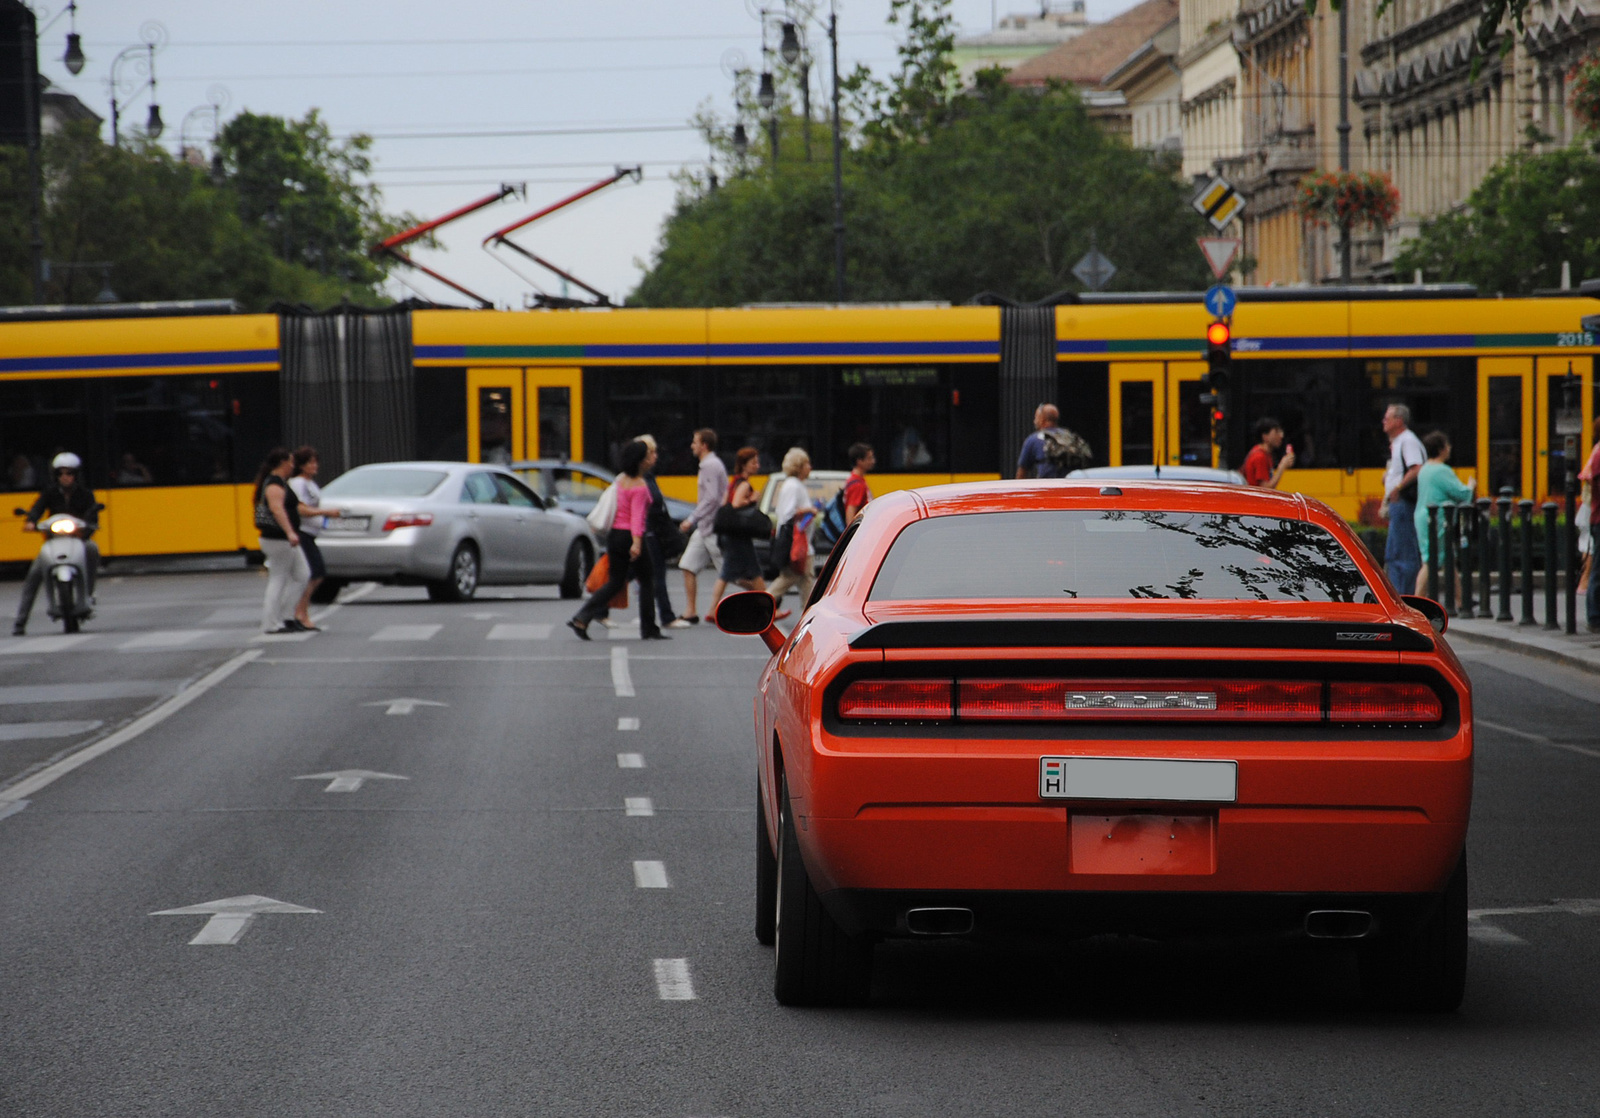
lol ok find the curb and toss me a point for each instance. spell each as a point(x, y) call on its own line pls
point(1571, 660)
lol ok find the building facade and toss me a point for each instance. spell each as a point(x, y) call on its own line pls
point(1019, 37)
point(1152, 86)
point(1211, 118)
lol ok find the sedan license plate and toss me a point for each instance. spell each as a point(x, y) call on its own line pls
point(348, 523)
point(1138, 778)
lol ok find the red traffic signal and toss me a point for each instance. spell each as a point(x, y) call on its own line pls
point(1218, 334)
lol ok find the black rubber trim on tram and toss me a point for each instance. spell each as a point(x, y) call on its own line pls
point(1032, 632)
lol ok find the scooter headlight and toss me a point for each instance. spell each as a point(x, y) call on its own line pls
point(63, 527)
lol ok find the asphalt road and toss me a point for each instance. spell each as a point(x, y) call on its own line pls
point(535, 922)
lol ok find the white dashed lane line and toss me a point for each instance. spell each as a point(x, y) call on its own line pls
point(509, 632)
point(166, 638)
point(650, 875)
point(1540, 738)
point(627, 723)
point(630, 760)
point(406, 633)
point(621, 678)
point(672, 980)
point(638, 805)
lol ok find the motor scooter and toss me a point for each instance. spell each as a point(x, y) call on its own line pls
point(66, 559)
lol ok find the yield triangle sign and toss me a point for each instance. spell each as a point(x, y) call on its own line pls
point(1220, 253)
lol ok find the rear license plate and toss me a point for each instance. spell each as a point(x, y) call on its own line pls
point(348, 523)
point(1138, 778)
point(1143, 844)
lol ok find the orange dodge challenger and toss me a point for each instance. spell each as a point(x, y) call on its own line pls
point(1072, 708)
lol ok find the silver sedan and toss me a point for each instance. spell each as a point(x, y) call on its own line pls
point(449, 526)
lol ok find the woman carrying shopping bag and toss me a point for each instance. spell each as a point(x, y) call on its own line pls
point(625, 555)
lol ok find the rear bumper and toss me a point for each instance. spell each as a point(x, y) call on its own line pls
point(402, 553)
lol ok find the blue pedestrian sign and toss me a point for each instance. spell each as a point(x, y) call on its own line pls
point(1220, 300)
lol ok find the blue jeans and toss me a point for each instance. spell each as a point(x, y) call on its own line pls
point(1402, 556)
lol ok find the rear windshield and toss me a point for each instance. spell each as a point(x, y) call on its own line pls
point(385, 483)
point(1118, 554)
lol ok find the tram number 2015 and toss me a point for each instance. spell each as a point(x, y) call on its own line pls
point(1581, 338)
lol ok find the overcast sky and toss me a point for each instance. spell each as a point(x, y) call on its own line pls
point(596, 70)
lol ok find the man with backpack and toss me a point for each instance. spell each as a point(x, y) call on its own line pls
point(1052, 450)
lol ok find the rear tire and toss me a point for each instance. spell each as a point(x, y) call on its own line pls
point(816, 962)
point(327, 590)
point(462, 582)
point(766, 877)
point(580, 560)
point(1424, 968)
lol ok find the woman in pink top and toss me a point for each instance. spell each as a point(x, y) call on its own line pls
point(625, 552)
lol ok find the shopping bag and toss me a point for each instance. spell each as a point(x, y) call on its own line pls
point(599, 574)
point(604, 511)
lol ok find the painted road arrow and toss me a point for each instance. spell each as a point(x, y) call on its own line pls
point(230, 917)
point(348, 780)
point(404, 706)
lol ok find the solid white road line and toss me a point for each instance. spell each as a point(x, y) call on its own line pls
point(57, 642)
point(508, 632)
point(1485, 932)
point(630, 760)
point(627, 723)
point(1540, 738)
point(638, 805)
point(672, 980)
point(25, 731)
point(650, 875)
point(165, 638)
point(47, 776)
point(406, 633)
point(621, 678)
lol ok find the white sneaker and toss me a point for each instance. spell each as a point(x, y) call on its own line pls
point(608, 623)
point(678, 623)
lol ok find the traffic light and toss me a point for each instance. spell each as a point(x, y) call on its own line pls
point(1219, 368)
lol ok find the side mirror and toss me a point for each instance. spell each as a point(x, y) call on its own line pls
point(19, 512)
point(100, 506)
point(749, 614)
point(1432, 610)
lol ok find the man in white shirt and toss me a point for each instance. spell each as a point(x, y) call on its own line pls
point(1402, 556)
point(711, 493)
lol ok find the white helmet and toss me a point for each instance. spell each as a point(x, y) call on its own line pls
point(65, 461)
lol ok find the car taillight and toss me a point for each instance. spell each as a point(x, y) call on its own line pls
point(1163, 700)
point(1383, 702)
point(912, 699)
point(408, 520)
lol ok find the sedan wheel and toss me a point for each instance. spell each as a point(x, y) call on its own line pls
point(816, 962)
point(1423, 968)
point(576, 572)
point(462, 582)
point(766, 877)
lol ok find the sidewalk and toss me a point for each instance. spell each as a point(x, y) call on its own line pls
point(1581, 651)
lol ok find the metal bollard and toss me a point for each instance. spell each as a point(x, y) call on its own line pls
point(1525, 511)
point(1433, 552)
point(1485, 550)
point(1466, 522)
point(1502, 505)
point(1550, 563)
point(1446, 592)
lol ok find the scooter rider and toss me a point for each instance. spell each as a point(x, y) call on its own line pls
point(65, 496)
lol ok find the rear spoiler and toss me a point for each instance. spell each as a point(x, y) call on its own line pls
point(1033, 632)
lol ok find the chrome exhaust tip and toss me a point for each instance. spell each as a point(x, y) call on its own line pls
point(939, 921)
point(1338, 923)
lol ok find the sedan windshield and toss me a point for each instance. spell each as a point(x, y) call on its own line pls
point(1119, 554)
point(389, 482)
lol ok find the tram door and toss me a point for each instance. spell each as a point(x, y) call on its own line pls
point(1156, 414)
point(1505, 425)
point(1551, 462)
point(495, 416)
point(555, 413)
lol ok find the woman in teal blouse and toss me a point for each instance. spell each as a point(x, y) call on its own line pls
point(1437, 484)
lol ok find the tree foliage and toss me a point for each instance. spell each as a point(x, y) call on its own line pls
point(1530, 213)
point(948, 193)
point(286, 221)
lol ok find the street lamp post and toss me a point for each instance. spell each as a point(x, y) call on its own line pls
point(73, 60)
point(838, 174)
point(142, 57)
point(217, 98)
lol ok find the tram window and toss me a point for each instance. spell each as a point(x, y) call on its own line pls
point(1194, 425)
point(767, 408)
point(170, 431)
point(1555, 480)
point(38, 420)
point(494, 425)
point(555, 422)
point(902, 411)
point(1138, 423)
point(1304, 396)
point(1442, 393)
point(1505, 434)
point(633, 402)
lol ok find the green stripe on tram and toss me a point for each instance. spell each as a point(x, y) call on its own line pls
point(1154, 345)
point(488, 352)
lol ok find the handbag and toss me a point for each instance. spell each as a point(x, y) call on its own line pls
point(749, 522)
point(778, 553)
point(800, 548)
point(265, 521)
point(604, 511)
point(599, 574)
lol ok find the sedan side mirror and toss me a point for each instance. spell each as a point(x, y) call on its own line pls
point(19, 512)
point(1432, 610)
point(749, 614)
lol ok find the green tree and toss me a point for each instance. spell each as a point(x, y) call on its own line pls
point(1530, 213)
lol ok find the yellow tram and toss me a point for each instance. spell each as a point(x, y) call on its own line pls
point(172, 406)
